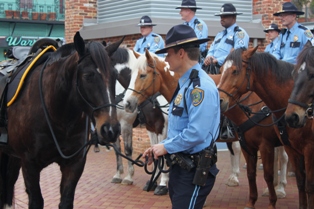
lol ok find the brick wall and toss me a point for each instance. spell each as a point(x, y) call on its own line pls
point(76, 11)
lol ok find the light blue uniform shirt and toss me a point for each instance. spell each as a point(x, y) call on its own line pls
point(153, 42)
point(223, 43)
point(291, 47)
point(272, 46)
point(193, 130)
point(201, 30)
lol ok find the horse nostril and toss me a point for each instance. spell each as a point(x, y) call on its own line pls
point(221, 101)
point(293, 120)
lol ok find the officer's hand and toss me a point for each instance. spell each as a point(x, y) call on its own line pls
point(148, 156)
point(207, 60)
point(159, 150)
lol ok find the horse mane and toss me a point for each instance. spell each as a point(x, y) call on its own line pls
point(121, 55)
point(63, 51)
point(306, 55)
point(142, 61)
point(261, 63)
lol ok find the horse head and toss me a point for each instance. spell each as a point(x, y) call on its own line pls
point(300, 106)
point(145, 81)
point(235, 79)
point(95, 84)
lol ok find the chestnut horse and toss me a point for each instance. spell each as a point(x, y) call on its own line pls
point(300, 107)
point(154, 75)
point(150, 113)
point(271, 80)
point(48, 121)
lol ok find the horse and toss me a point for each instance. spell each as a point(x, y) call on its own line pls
point(150, 114)
point(48, 120)
point(271, 80)
point(300, 106)
point(154, 75)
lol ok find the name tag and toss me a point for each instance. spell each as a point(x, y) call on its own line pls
point(295, 44)
point(177, 111)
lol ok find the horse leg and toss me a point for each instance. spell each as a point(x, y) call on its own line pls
point(117, 177)
point(128, 150)
point(31, 174)
point(266, 191)
point(233, 180)
point(280, 188)
point(309, 161)
point(71, 174)
point(251, 162)
point(267, 154)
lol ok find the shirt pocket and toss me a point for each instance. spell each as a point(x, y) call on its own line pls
point(180, 119)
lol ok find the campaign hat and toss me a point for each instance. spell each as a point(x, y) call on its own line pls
point(228, 9)
point(188, 4)
point(146, 21)
point(183, 36)
point(272, 26)
point(288, 7)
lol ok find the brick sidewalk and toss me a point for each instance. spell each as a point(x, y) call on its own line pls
point(95, 190)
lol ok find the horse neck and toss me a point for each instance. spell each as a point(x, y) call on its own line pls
point(274, 95)
point(169, 84)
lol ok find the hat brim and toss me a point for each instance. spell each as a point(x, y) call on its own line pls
point(146, 24)
point(192, 41)
point(228, 13)
point(188, 7)
point(289, 11)
point(267, 30)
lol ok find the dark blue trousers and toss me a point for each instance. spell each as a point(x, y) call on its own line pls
point(183, 193)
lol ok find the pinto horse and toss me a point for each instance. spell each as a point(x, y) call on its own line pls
point(154, 75)
point(271, 80)
point(300, 107)
point(49, 119)
point(150, 114)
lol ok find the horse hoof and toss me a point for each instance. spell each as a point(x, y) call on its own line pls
point(126, 182)
point(280, 194)
point(232, 183)
point(161, 190)
point(116, 180)
point(145, 188)
point(291, 174)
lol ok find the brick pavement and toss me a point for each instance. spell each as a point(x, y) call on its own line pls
point(95, 190)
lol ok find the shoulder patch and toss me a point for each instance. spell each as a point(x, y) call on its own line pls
point(200, 26)
point(308, 34)
point(197, 96)
point(157, 39)
point(240, 34)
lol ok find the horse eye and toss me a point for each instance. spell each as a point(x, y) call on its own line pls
point(311, 76)
point(89, 76)
point(143, 76)
point(235, 72)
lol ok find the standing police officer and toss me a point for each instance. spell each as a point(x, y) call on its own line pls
point(187, 11)
point(194, 115)
point(273, 35)
point(294, 37)
point(150, 40)
point(232, 37)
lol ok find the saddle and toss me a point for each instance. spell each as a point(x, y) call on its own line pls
point(14, 71)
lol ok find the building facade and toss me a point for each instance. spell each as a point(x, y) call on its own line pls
point(23, 22)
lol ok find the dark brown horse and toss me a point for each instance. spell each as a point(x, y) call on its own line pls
point(300, 107)
point(271, 80)
point(49, 119)
point(153, 75)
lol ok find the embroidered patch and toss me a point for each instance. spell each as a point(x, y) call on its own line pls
point(178, 99)
point(295, 38)
point(200, 26)
point(241, 42)
point(240, 34)
point(157, 39)
point(198, 96)
point(308, 34)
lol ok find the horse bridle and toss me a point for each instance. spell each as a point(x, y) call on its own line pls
point(308, 107)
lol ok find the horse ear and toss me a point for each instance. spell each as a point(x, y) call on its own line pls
point(136, 54)
point(308, 44)
point(113, 47)
point(150, 60)
point(249, 53)
point(79, 44)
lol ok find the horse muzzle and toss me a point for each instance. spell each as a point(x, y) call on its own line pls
point(130, 104)
point(109, 133)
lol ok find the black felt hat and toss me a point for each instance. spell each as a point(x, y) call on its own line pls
point(288, 7)
point(181, 35)
point(228, 9)
point(188, 4)
point(272, 26)
point(145, 21)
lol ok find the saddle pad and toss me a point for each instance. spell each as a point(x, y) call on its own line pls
point(17, 83)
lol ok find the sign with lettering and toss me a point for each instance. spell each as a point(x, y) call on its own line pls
point(10, 41)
